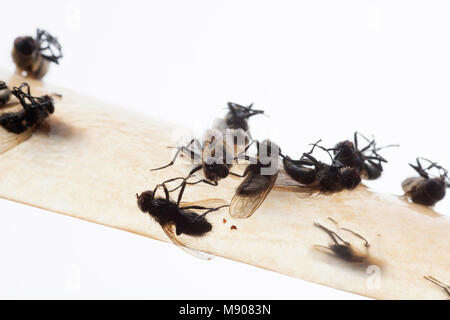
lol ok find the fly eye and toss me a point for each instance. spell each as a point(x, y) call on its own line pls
point(25, 45)
point(144, 200)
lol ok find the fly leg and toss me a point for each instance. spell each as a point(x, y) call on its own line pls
point(201, 180)
point(333, 235)
point(420, 169)
point(237, 174)
point(439, 283)
point(366, 243)
point(371, 142)
point(185, 149)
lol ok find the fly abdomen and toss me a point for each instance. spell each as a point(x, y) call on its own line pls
point(18, 122)
point(14, 122)
point(300, 174)
point(189, 223)
point(372, 172)
point(346, 253)
point(25, 53)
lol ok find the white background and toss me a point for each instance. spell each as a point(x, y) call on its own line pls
point(320, 69)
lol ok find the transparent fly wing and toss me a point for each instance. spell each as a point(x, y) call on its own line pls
point(324, 249)
point(243, 207)
point(285, 182)
point(284, 179)
point(201, 255)
point(9, 140)
point(207, 203)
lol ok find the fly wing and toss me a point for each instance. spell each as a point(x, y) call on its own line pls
point(324, 249)
point(284, 181)
point(243, 206)
point(206, 203)
point(10, 140)
point(204, 256)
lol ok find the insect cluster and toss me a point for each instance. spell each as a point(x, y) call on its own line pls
point(32, 56)
point(216, 153)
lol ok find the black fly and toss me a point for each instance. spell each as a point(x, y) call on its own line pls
point(260, 176)
point(34, 111)
point(32, 55)
point(181, 215)
point(235, 123)
point(425, 189)
point(316, 175)
point(369, 164)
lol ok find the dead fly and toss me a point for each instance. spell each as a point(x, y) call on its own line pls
point(34, 111)
point(32, 55)
point(342, 249)
point(439, 283)
point(260, 176)
point(315, 175)
point(366, 160)
point(181, 215)
point(236, 121)
point(5, 94)
point(237, 116)
point(215, 157)
point(426, 190)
